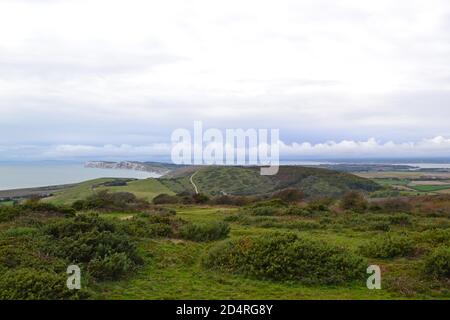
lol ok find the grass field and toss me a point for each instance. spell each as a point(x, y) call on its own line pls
point(145, 188)
point(430, 188)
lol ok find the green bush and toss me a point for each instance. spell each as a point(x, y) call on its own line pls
point(32, 284)
point(435, 237)
point(200, 198)
point(150, 226)
point(299, 211)
point(389, 246)
point(289, 195)
point(355, 201)
point(395, 205)
point(274, 203)
point(166, 199)
point(265, 211)
point(380, 226)
point(205, 232)
point(286, 257)
point(111, 267)
point(8, 213)
point(89, 239)
point(35, 205)
point(400, 219)
point(110, 201)
point(437, 263)
point(80, 224)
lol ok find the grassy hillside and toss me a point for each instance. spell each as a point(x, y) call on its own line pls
point(248, 181)
point(146, 188)
point(216, 180)
point(79, 191)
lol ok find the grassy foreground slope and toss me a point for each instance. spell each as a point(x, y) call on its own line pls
point(173, 267)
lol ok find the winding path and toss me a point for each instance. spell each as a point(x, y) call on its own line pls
point(192, 181)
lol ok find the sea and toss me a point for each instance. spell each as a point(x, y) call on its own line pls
point(18, 175)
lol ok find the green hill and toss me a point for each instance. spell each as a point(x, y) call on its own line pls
point(214, 180)
point(145, 188)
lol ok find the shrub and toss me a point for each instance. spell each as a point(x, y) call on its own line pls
point(35, 205)
point(274, 203)
point(205, 232)
point(400, 219)
point(435, 237)
point(354, 200)
point(380, 226)
point(151, 226)
point(437, 263)
point(80, 224)
point(289, 195)
point(388, 246)
point(31, 284)
point(286, 257)
point(110, 267)
point(265, 211)
point(395, 205)
point(299, 211)
point(165, 199)
point(89, 239)
point(8, 213)
point(200, 198)
point(303, 225)
point(107, 201)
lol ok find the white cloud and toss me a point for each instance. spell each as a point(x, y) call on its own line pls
point(429, 148)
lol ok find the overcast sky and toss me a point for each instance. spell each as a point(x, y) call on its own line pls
point(107, 78)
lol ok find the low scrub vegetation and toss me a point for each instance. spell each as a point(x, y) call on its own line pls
point(287, 257)
point(389, 246)
point(111, 201)
point(33, 206)
point(437, 263)
point(205, 232)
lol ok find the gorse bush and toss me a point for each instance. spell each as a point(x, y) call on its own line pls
point(33, 206)
point(287, 257)
point(437, 263)
point(389, 246)
point(111, 201)
point(400, 219)
point(8, 213)
point(36, 206)
point(289, 195)
point(395, 205)
point(92, 241)
point(110, 267)
point(32, 284)
point(166, 199)
point(205, 232)
point(435, 237)
point(266, 211)
point(152, 226)
point(355, 201)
